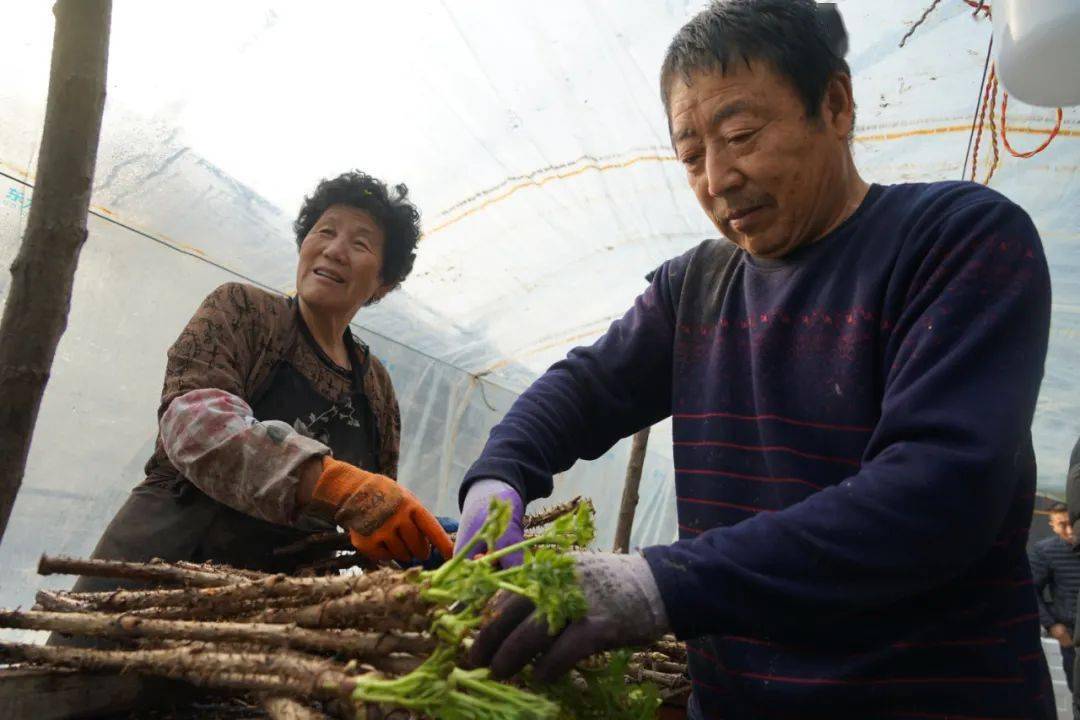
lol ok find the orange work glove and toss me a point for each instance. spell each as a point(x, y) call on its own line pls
point(385, 521)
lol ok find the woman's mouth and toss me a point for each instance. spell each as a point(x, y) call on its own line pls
point(329, 275)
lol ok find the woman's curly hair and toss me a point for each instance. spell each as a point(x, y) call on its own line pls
point(391, 209)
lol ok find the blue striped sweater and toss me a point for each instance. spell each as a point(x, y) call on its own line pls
point(853, 460)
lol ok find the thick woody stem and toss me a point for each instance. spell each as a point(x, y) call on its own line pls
point(153, 571)
point(553, 513)
point(59, 602)
point(279, 673)
point(217, 600)
point(391, 604)
point(667, 680)
point(670, 647)
point(352, 643)
point(235, 574)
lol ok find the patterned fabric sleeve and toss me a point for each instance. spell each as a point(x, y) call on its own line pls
point(216, 347)
point(212, 438)
point(206, 428)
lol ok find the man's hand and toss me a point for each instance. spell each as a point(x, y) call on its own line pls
point(1059, 632)
point(625, 609)
point(385, 521)
point(475, 511)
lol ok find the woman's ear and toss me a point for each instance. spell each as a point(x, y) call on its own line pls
point(382, 292)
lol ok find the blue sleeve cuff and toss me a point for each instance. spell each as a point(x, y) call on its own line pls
point(692, 609)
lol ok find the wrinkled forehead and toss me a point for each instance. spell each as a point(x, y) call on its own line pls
point(709, 97)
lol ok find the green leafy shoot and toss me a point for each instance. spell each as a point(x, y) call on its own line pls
point(498, 520)
point(463, 588)
point(601, 692)
point(494, 526)
point(439, 689)
point(574, 529)
point(477, 697)
point(547, 578)
point(424, 689)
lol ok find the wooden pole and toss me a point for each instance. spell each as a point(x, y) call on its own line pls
point(35, 314)
point(630, 491)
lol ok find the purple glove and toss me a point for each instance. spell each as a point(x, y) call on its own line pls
point(474, 511)
point(624, 609)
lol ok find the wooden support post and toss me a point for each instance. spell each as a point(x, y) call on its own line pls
point(630, 491)
point(35, 314)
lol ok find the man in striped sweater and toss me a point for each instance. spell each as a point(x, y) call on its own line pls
point(850, 373)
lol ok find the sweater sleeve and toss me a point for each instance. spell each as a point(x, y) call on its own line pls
point(206, 427)
point(1042, 574)
point(584, 404)
point(961, 373)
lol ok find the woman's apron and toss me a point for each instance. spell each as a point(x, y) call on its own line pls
point(174, 520)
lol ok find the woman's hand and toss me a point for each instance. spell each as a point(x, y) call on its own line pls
point(385, 521)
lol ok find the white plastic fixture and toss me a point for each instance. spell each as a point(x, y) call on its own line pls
point(1037, 50)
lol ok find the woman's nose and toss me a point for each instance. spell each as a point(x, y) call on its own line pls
point(334, 250)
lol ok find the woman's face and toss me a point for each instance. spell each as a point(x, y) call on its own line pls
point(341, 262)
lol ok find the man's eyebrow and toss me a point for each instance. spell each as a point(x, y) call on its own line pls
point(685, 134)
point(724, 113)
point(729, 111)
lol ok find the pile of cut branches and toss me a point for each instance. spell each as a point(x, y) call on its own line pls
point(385, 643)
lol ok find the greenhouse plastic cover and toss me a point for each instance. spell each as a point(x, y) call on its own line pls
point(532, 138)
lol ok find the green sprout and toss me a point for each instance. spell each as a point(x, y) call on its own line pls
point(601, 693)
point(439, 689)
point(546, 576)
point(461, 588)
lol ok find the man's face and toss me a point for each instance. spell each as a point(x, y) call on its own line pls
point(340, 261)
point(768, 178)
point(1059, 523)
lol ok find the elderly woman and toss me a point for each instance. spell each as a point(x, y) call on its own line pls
point(275, 421)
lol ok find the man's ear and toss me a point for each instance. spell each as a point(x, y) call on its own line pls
point(838, 106)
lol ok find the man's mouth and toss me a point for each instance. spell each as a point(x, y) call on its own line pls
point(733, 215)
point(740, 219)
point(328, 274)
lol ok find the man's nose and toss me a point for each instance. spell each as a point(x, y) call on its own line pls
point(721, 172)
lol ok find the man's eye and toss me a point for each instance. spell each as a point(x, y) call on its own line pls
point(326, 231)
point(741, 137)
point(691, 159)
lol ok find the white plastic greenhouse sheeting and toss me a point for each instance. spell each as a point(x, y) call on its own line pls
point(533, 140)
